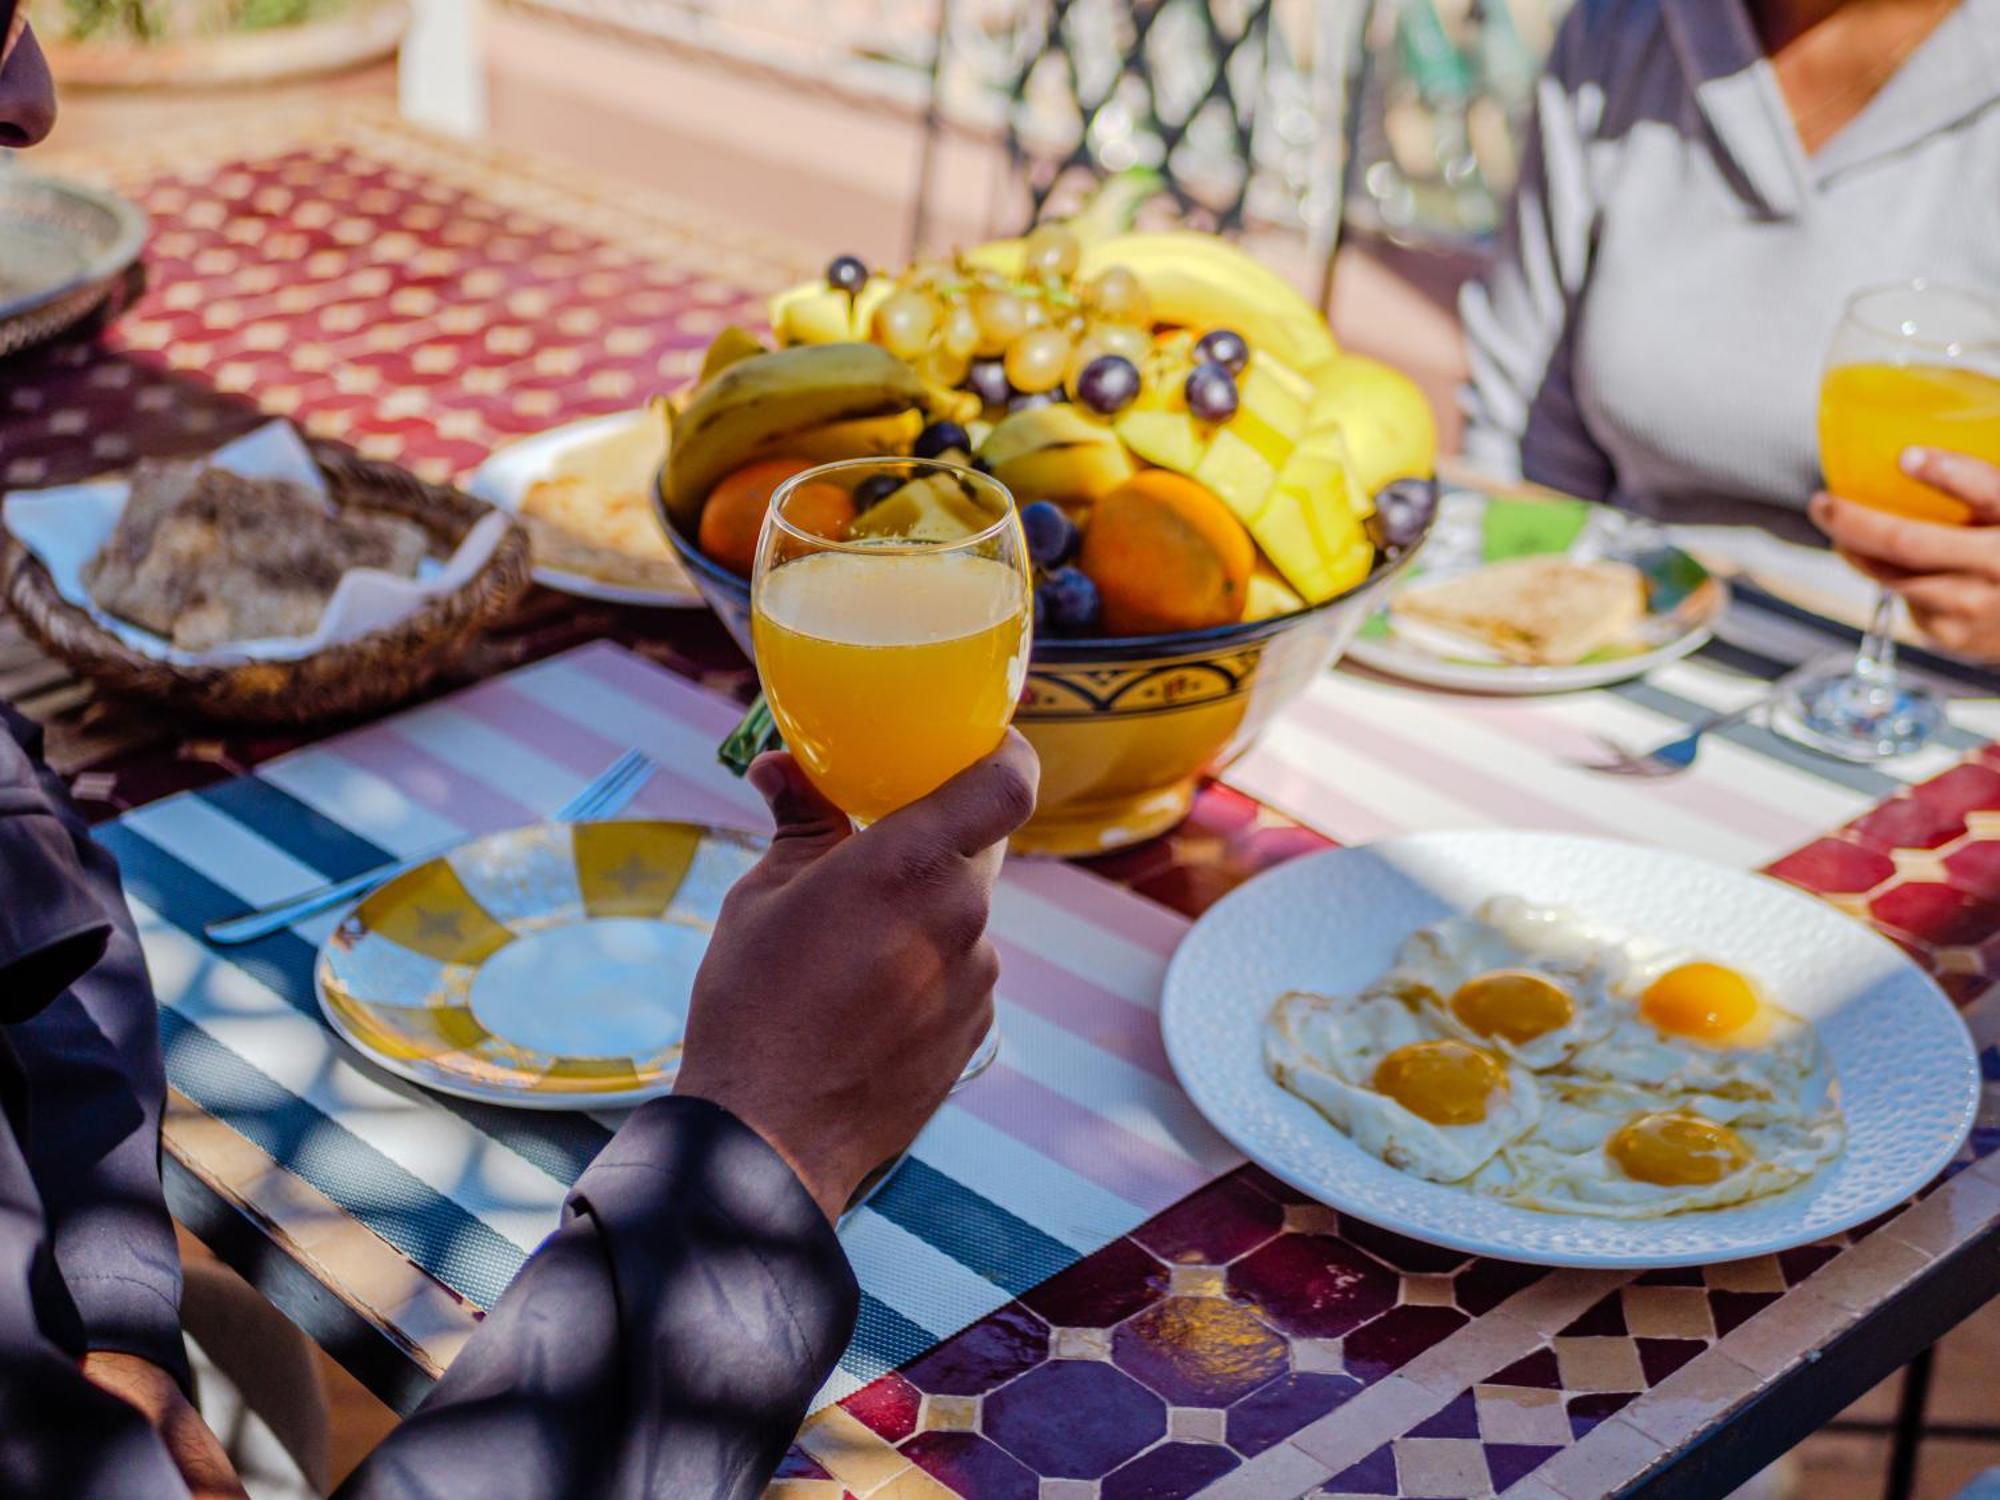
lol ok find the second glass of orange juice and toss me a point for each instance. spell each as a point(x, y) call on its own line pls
point(1911, 366)
point(891, 611)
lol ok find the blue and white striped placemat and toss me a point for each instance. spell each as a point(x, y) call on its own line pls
point(1075, 1136)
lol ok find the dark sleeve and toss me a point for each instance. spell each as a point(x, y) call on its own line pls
point(60, 1436)
point(663, 1342)
point(89, 1044)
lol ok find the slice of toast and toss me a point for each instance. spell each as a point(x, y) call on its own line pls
point(1539, 611)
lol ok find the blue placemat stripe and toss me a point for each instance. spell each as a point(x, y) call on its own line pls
point(308, 835)
point(452, 1244)
point(978, 1234)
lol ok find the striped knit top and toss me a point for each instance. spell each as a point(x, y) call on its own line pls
point(1675, 264)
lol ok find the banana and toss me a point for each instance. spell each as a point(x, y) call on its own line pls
point(1383, 415)
point(758, 404)
point(729, 346)
point(1201, 282)
point(814, 313)
point(1055, 453)
point(867, 437)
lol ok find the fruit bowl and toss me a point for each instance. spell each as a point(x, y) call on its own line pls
point(1210, 491)
point(1126, 725)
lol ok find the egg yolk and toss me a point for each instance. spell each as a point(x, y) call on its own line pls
point(1703, 1001)
point(1445, 1082)
point(1512, 1004)
point(1672, 1149)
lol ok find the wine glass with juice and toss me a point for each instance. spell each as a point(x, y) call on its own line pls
point(1911, 365)
point(892, 615)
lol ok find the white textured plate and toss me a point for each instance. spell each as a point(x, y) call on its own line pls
point(505, 478)
point(1909, 1076)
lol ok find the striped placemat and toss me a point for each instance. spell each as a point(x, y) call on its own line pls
point(1362, 757)
point(1074, 1137)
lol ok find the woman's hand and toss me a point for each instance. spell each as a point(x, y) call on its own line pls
point(1948, 575)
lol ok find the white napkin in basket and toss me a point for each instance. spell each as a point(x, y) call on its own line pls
point(65, 527)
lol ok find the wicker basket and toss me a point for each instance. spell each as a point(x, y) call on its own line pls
point(358, 676)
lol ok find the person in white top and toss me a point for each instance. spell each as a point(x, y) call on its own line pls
point(1707, 183)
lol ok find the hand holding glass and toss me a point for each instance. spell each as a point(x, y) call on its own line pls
point(1916, 365)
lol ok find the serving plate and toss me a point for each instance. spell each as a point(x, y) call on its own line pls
point(65, 249)
point(1684, 601)
point(508, 474)
point(547, 967)
point(1907, 1069)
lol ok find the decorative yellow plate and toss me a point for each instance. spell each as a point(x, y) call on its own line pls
point(547, 967)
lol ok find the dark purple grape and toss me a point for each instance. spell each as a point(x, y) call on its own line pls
point(1108, 384)
point(1403, 512)
point(987, 379)
point(1073, 604)
point(1051, 533)
point(876, 488)
point(1225, 347)
point(847, 273)
point(941, 438)
point(1041, 612)
point(1211, 392)
point(1028, 401)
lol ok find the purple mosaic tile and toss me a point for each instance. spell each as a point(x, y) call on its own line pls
point(1268, 1416)
point(1802, 1260)
point(1659, 1358)
point(1314, 1286)
point(1604, 1318)
point(799, 1464)
point(1227, 1219)
point(1485, 1284)
point(988, 1354)
point(1397, 1337)
point(1508, 1463)
point(1074, 1418)
point(1172, 1471)
point(1586, 1411)
point(1731, 1310)
point(1537, 1371)
point(971, 1465)
point(1199, 1351)
point(1397, 1250)
point(1458, 1418)
point(1101, 1289)
point(1374, 1475)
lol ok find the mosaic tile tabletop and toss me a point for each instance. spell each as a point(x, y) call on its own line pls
point(427, 301)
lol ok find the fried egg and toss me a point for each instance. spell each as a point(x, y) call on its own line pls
point(1415, 1097)
point(1632, 1153)
point(1698, 1027)
point(1532, 983)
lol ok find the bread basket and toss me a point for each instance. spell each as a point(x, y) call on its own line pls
point(369, 673)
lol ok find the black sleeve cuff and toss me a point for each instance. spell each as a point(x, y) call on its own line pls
point(52, 930)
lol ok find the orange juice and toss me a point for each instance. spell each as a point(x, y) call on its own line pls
point(1869, 413)
point(890, 674)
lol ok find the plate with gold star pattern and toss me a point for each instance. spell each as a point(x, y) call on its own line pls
point(547, 967)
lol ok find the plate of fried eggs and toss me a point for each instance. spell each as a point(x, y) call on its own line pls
point(1568, 1051)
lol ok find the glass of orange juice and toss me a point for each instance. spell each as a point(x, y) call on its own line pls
point(891, 609)
point(1912, 365)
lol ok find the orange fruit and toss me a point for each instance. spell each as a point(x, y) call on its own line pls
point(734, 512)
point(1165, 554)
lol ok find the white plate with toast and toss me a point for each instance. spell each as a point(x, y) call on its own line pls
point(1540, 596)
point(584, 491)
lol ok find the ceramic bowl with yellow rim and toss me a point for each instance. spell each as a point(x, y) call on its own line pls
point(547, 967)
point(1127, 725)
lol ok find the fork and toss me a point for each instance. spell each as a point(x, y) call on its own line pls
point(606, 794)
point(1676, 755)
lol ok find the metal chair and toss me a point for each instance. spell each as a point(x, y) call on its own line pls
point(1244, 107)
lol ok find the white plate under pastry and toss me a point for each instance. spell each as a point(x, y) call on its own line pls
point(1908, 1071)
point(510, 472)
